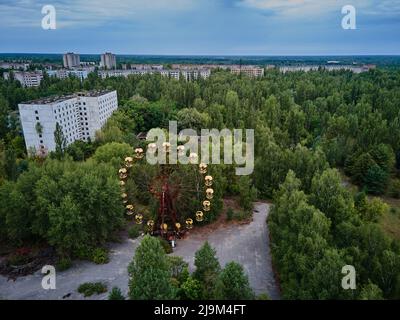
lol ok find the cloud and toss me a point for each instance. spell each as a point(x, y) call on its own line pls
point(292, 7)
point(299, 8)
point(27, 13)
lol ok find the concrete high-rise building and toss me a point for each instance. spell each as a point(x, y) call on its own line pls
point(108, 61)
point(71, 60)
point(79, 115)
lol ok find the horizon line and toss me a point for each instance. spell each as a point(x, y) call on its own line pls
point(213, 55)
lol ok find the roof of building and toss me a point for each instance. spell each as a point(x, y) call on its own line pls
point(56, 99)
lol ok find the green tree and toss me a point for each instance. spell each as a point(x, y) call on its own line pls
point(295, 124)
point(80, 150)
point(60, 140)
point(373, 210)
point(67, 230)
point(376, 180)
point(232, 108)
point(207, 268)
point(179, 268)
point(190, 118)
point(247, 193)
point(113, 153)
point(150, 272)
point(10, 164)
point(4, 113)
point(371, 292)
point(324, 280)
point(233, 283)
point(299, 232)
point(191, 289)
point(329, 196)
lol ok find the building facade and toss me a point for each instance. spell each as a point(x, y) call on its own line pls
point(71, 60)
point(27, 79)
point(188, 75)
point(108, 61)
point(79, 115)
point(251, 71)
point(65, 73)
point(14, 66)
point(330, 67)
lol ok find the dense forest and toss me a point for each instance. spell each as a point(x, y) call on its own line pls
point(311, 131)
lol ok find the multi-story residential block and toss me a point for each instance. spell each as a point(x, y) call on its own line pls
point(108, 61)
point(65, 73)
point(79, 115)
point(27, 79)
point(330, 67)
point(14, 66)
point(204, 73)
point(189, 75)
point(71, 60)
point(175, 74)
point(251, 71)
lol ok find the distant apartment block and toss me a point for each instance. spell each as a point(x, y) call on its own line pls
point(14, 66)
point(188, 75)
point(27, 79)
point(71, 60)
point(81, 73)
point(80, 115)
point(108, 61)
point(330, 67)
point(251, 71)
point(142, 67)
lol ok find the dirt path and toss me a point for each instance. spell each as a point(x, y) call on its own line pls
point(247, 244)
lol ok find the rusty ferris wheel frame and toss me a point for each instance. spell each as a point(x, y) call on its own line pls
point(167, 222)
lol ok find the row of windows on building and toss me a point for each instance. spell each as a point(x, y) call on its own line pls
point(71, 132)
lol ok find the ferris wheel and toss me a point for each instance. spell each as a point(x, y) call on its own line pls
point(173, 186)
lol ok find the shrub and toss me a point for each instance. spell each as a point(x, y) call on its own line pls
point(238, 215)
point(90, 288)
point(64, 264)
point(166, 246)
point(229, 214)
point(83, 253)
point(263, 296)
point(134, 231)
point(100, 256)
point(242, 215)
point(116, 294)
point(17, 260)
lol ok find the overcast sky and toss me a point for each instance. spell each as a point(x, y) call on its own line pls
point(197, 27)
